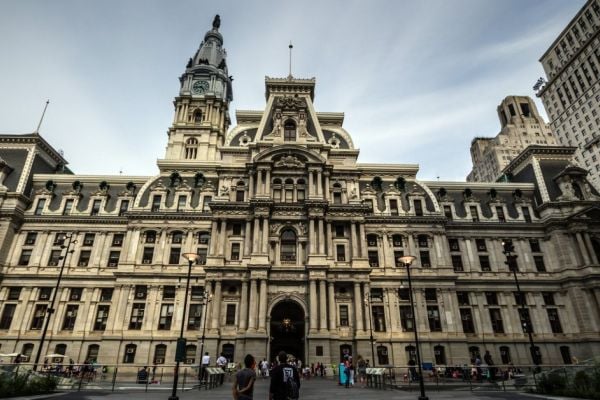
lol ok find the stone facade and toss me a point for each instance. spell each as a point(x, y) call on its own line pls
point(298, 244)
point(521, 126)
point(571, 94)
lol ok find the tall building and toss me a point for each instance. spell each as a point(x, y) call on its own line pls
point(298, 244)
point(521, 126)
point(571, 94)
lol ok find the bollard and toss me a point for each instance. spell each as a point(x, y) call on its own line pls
point(114, 379)
point(81, 370)
point(184, 378)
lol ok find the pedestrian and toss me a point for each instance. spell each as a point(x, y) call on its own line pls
point(243, 385)
point(490, 363)
point(347, 370)
point(205, 363)
point(285, 380)
point(361, 365)
point(222, 363)
point(142, 375)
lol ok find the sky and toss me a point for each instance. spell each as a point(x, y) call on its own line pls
point(417, 80)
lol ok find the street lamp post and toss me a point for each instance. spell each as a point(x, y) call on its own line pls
point(368, 306)
point(50, 309)
point(180, 351)
point(511, 259)
point(206, 298)
point(407, 261)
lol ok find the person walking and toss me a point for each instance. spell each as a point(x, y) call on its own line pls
point(222, 363)
point(205, 363)
point(361, 365)
point(285, 380)
point(243, 384)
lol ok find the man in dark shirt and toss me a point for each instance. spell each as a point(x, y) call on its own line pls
point(243, 386)
point(279, 376)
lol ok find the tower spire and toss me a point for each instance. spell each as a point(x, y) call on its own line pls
point(37, 130)
point(290, 47)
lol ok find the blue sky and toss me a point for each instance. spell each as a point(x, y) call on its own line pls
point(417, 80)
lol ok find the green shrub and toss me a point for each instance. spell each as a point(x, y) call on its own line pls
point(26, 384)
point(554, 382)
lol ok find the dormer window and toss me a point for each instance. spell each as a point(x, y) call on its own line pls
point(289, 131)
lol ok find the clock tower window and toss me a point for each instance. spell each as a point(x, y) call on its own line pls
point(289, 131)
point(197, 116)
point(191, 149)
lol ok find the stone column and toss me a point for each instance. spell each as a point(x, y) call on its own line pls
point(311, 237)
point(582, 249)
point(268, 183)
point(588, 242)
point(262, 310)
point(326, 188)
point(216, 312)
point(310, 184)
point(222, 237)
point(323, 305)
point(248, 238)
point(313, 305)
point(362, 240)
point(329, 241)
point(214, 238)
point(244, 306)
point(250, 185)
point(358, 307)
point(353, 239)
point(332, 308)
point(393, 309)
point(319, 184)
point(256, 236)
point(265, 236)
point(321, 237)
point(253, 305)
point(412, 249)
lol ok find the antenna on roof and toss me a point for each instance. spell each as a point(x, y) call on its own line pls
point(291, 47)
point(37, 130)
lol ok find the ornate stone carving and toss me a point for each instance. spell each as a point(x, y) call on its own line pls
point(566, 188)
point(289, 161)
point(290, 103)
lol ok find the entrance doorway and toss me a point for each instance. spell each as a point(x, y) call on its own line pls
point(287, 330)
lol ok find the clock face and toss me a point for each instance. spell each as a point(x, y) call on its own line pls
point(199, 87)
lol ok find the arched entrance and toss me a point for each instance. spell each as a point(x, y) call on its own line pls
point(287, 329)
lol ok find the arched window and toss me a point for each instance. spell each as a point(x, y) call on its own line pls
point(337, 193)
point(382, 355)
point(411, 352)
point(372, 240)
point(474, 352)
point(129, 356)
point(277, 189)
point(60, 348)
point(565, 352)
point(288, 246)
point(191, 148)
point(92, 353)
point(240, 191)
point(190, 354)
point(505, 355)
point(289, 131)
point(27, 350)
point(377, 184)
point(160, 352)
point(440, 355)
point(177, 237)
point(197, 116)
point(289, 190)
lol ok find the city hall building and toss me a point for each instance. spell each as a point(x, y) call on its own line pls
point(298, 245)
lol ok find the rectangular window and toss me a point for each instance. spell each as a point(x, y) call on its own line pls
point(181, 201)
point(277, 195)
point(117, 240)
point(59, 239)
point(433, 316)
point(156, 203)
point(520, 298)
point(96, 207)
point(7, 315)
point(554, 320)
point(525, 320)
point(535, 246)
point(70, 317)
point(418, 207)
point(340, 250)
point(404, 294)
point(84, 258)
point(230, 314)
point(344, 321)
point(137, 316)
point(548, 298)
point(526, 214)
point(484, 263)
point(407, 319)
point(457, 263)
point(453, 243)
point(397, 241)
point(106, 294)
point(88, 239)
point(394, 207)
point(175, 255)
point(166, 317)
point(30, 238)
point(463, 298)
point(148, 255)
point(539, 263)
point(474, 213)
point(101, 317)
point(373, 258)
point(25, 256)
point(40, 206)
point(425, 261)
point(481, 246)
point(423, 241)
point(123, 207)
point(206, 203)
point(339, 231)
point(75, 294)
point(113, 258)
point(202, 253)
point(239, 195)
point(431, 295)
point(68, 206)
point(235, 251)
point(369, 204)
point(496, 318)
point(289, 195)
point(197, 292)
point(236, 229)
point(398, 254)
point(300, 194)
point(38, 316)
point(337, 198)
point(448, 212)
point(45, 293)
point(168, 292)
point(319, 351)
point(500, 213)
point(141, 291)
point(378, 318)
point(194, 317)
point(491, 298)
point(466, 317)
point(14, 293)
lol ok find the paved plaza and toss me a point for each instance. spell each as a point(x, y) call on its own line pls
point(315, 389)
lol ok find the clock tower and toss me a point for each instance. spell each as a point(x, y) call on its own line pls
point(202, 107)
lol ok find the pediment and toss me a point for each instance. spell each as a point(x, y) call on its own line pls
point(291, 156)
